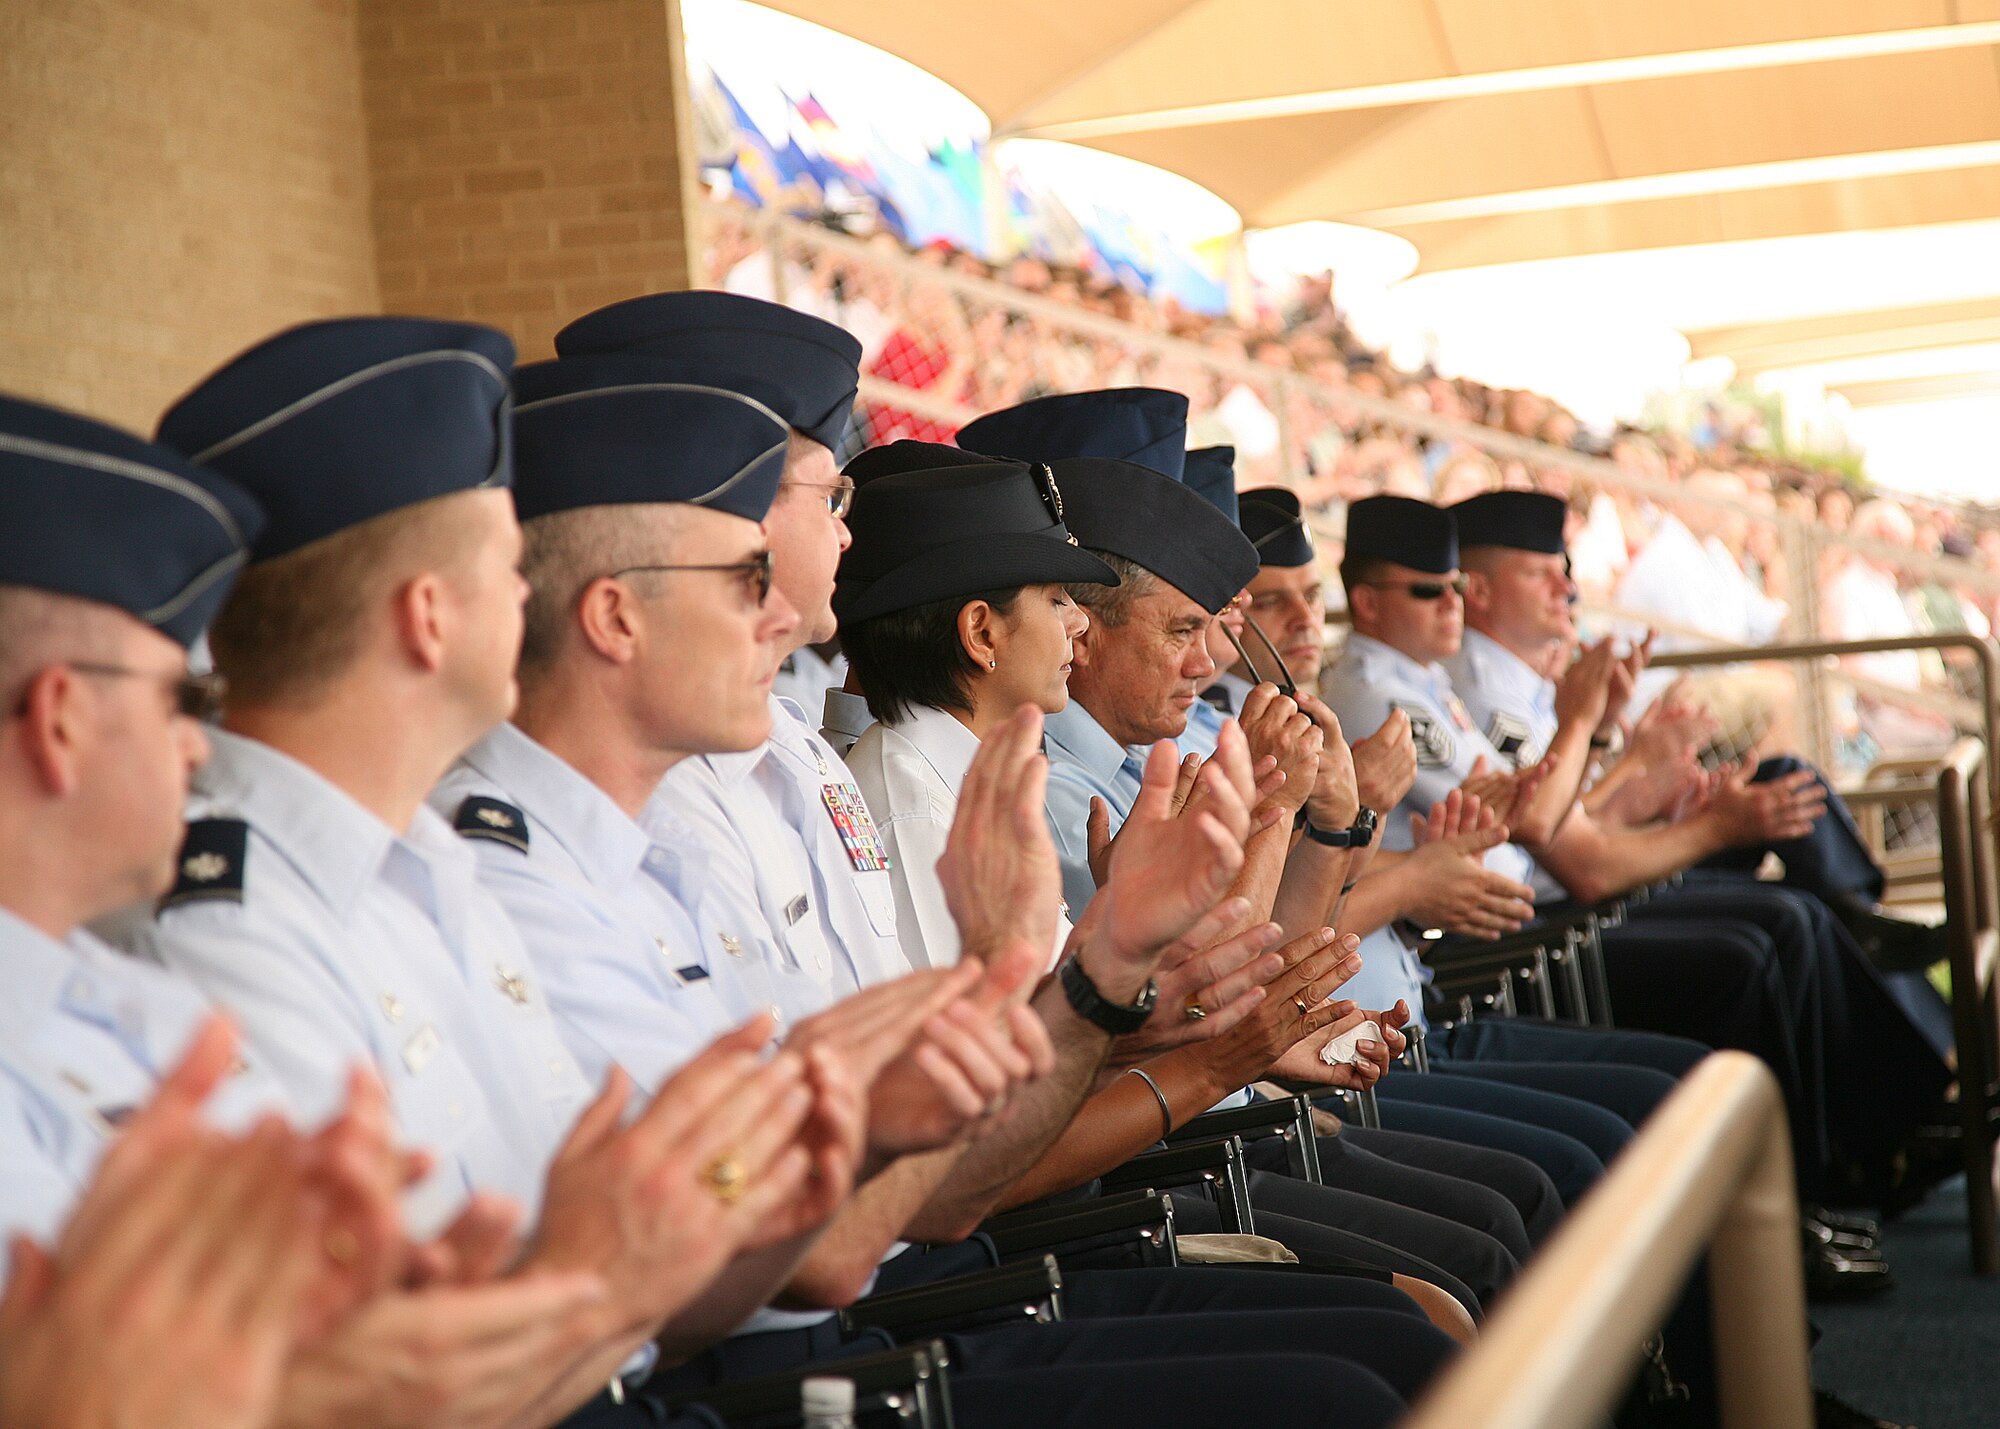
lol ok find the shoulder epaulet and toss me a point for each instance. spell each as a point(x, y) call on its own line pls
point(210, 866)
point(482, 818)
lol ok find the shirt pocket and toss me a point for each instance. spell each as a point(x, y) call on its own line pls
point(878, 896)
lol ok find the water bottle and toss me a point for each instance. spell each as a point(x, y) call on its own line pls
point(827, 1403)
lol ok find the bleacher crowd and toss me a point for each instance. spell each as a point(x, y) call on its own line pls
point(961, 347)
point(468, 995)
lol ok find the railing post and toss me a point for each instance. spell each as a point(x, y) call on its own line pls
point(1803, 552)
point(1759, 1300)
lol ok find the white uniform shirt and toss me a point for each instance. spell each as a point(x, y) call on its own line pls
point(643, 960)
point(85, 1036)
point(345, 941)
point(788, 833)
point(910, 774)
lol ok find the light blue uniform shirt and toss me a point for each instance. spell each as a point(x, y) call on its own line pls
point(788, 833)
point(349, 943)
point(1510, 701)
point(643, 961)
point(1369, 680)
point(85, 1036)
point(1084, 761)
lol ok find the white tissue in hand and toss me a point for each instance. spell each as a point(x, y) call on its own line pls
point(1340, 1051)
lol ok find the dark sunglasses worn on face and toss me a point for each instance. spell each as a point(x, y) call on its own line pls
point(1424, 590)
point(756, 571)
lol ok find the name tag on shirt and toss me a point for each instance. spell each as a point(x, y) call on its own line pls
point(795, 910)
point(856, 827)
point(693, 972)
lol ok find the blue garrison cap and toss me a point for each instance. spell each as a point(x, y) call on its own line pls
point(907, 455)
point(610, 431)
point(1409, 533)
point(1524, 520)
point(92, 512)
point(1211, 474)
point(1147, 425)
point(1154, 521)
point(804, 369)
point(1276, 526)
point(331, 424)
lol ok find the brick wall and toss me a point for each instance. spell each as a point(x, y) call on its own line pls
point(525, 155)
point(178, 178)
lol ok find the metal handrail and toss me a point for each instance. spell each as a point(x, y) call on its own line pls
point(1711, 1169)
point(1985, 653)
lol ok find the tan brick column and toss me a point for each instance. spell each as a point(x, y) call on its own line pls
point(532, 158)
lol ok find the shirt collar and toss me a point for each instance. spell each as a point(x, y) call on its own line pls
point(37, 968)
point(1076, 732)
point(1482, 649)
point(1368, 647)
point(947, 744)
point(605, 843)
point(846, 714)
point(336, 845)
point(1238, 690)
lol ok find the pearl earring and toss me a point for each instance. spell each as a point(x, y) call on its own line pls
point(992, 664)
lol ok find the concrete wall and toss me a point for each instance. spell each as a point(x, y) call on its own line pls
point(177, 180)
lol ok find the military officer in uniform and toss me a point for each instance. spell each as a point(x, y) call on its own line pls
point(370, 640)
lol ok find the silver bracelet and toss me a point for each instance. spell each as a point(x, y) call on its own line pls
point(1166, 1112)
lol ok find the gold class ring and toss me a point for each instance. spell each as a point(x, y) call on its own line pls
point(727, 1179)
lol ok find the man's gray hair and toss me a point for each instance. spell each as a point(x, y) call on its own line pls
point(1111, 605)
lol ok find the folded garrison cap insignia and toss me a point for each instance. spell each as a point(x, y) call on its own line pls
point(803, 368)
point(210, 868)
point(621, 430)
point(92, 512)
point(1431, 735)
point(1522, 520)
point(1210, 473)
point(331, 424)
point(1146, 425)
point(482, 818)
point(1276, 525)
point(1154, 521)
point(1510, 735)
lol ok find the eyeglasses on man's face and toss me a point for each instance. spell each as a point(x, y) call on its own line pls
point(755, 572)
point(198, 697)
point(1425, 590)
point(839, 494)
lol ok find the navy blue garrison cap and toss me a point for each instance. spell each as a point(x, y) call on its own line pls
point(907, 455)
point(610, 431)
point(921, 536)
point(1211, 474)
point(1524, 520)
point(1406, 532)
point(1147, 425)
point(804, 369)
point(1155, 522)
point(1275, 525)
point(333, 423)
point(89, 511)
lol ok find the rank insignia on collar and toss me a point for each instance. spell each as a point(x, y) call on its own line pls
point(731, 944)
point(482, 818)
point(1431, 735)
point(1510, 735)
point(511, 983)
point(211, 863)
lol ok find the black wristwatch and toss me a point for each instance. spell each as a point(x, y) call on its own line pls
point(1359, 834)
point(1092, 1007)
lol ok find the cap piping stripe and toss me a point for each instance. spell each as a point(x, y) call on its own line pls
point(651, 387)
point(132, 470)
point(345, 384)
point(192, 591)
point(1284, 530)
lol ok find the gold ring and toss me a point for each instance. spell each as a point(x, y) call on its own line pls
point(340, 1246)
point(1300, 1004)
point(727, 1179)
point(1192, 1010)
